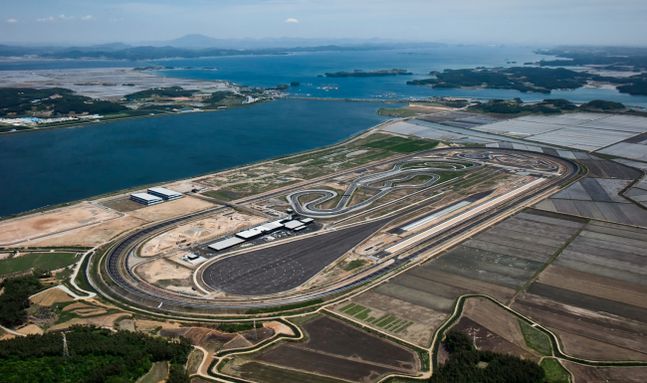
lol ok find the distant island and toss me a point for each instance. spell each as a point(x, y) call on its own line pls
point(530, 79)
point(373, 73)
point(605, 58)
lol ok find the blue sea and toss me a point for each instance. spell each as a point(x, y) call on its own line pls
point(55, 166)
point(42, 168)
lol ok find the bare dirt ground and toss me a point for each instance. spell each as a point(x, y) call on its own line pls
point(49, 297)
point(227, 222)
point(585, 374)
point(38, 225)
point(278, 328)
point(90, 225)
point(171, 209)
point(30, 329)
point(161, 269)
point(89, 236)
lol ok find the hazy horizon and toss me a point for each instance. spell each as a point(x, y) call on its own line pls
point(551, 22)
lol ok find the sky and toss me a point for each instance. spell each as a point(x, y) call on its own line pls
point(526, 22)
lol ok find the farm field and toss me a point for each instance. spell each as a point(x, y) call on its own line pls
point(338, 350)
point(601, 195)
point(593, 296)
point(498, 261)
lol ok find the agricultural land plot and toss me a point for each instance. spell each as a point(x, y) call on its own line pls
point(40, 225)
point(583, 131)
point(423, 128)
point(602, 195)
point(638, 192)
point(497, 262)
point(584, 374)
point(494, 329)
point(261, 372)
point(594, 296)
point(339, 350)
point(634, 148)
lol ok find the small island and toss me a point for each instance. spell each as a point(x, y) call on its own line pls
point(530, 79)
point(373, 73)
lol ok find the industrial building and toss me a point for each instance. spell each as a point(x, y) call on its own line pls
point(254, 232)
point(293, 224)
point(250, 233)
point(146, 199)
point(226, 243)
point(165, 193)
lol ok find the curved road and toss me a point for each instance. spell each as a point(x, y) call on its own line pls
point(310, 209)
point(117, 281)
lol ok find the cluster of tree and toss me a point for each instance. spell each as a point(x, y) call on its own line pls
point(373, 73)
point(58, 101)
point(14, 301)
point(172, 91)
point(612, 58)
point(523, 79)
point(634, 85)
point(468, 365)
point(225, 98)
point(238, 326)
point(548, 106)
point(93, 355)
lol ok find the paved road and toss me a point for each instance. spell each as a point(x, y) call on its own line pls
point(391, 180)
point(281, 268)
point(118, 282)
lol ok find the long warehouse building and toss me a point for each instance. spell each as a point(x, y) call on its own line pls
point(165, 193)
point(146, 199)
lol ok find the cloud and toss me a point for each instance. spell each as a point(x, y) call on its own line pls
point(11, 20)
point(291, 20)
point(87, 17)
point(60, 17)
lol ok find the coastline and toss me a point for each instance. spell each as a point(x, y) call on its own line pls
point(128, 190)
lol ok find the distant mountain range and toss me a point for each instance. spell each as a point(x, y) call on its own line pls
point(196, 45)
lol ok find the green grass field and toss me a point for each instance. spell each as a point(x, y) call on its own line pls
point(555, 373)
point(535, 339)
point(42, 261)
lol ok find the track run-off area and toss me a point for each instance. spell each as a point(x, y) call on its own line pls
point(410, 211)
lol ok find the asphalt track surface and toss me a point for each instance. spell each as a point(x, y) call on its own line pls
point(284, 267)
point(117, 281)
point(388, 178)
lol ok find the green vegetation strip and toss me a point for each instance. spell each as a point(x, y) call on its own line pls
point(36, 261)
point(535, 338)
point(555, 372)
